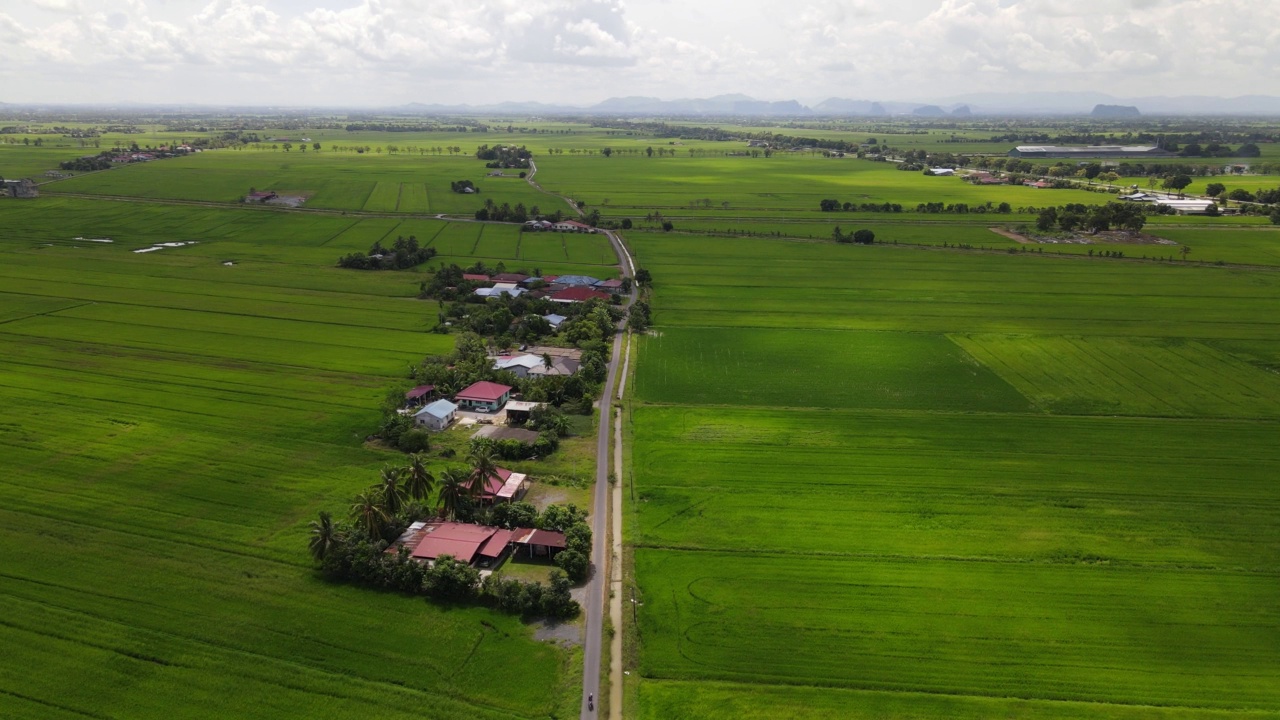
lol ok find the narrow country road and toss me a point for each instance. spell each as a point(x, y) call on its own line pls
point(598, 585)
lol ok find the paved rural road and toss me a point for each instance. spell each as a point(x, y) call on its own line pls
point(598, 585)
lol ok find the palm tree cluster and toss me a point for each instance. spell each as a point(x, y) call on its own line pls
point(404, 491)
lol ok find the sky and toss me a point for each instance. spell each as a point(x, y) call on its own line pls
point(577, 52)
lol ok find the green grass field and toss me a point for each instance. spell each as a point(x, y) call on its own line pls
point(332, 181)
point(932, 483)
point(807, 368)
point(898, 481)
point(782, 185)
point(169, 426)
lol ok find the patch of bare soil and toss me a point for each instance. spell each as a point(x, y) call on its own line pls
point(292, 200)
point(1011, 235)
point(1109, 237)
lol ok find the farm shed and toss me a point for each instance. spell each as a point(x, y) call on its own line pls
point(1089, 151)
point(436, 416)
point(1187, 207)
point(545, 543)
point(518, 412)
point(24, 188)
point(419, 395)
point(484, 396)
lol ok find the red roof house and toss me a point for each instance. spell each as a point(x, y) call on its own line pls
point(484, 396)
point(509, 277)
point(577, 293)
point(460, 540)
point(474, 277)
point(502, 485)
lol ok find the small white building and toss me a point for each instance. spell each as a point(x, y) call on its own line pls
point(555, 320)
point(572, 226)
point(941, 171)
point(1188, 206)
point(437, 416)
point(501, 289)
point(521, 365)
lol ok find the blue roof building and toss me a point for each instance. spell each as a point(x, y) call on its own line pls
point(574, 280)
point(436, 416)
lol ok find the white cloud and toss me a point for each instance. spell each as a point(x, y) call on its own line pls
point(390, 51)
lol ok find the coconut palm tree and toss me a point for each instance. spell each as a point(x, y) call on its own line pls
point(324, 535)
point(369, 514)
point(453, 492)
point(390, 489)
point(418, 480)
point(485, 461)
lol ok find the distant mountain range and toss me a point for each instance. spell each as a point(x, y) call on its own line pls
point(1036, 103)
point(1098, 105)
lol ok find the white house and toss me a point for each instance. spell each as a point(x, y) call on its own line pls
point(437, 416)
point(941, 171)
point(521, 365)
point(501, 289)
point(555, 320)
point(572, 226)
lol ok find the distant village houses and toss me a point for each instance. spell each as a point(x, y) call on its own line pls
point(23, 189)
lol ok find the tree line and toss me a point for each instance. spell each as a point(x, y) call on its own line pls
point(1096, 218)
point(404, 253)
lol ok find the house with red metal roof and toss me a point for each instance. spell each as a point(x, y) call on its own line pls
point(484, 396)
point(502, 486)
point(469, 543)
point(572, 226)
point(475, 278)
point(509, 278)
point(577, 294)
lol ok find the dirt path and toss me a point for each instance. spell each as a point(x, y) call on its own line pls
point(1011, 235)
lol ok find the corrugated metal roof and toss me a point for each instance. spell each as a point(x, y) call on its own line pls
point(439, 408)
point(484, 391)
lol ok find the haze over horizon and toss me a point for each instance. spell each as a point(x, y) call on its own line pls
point(579, 52)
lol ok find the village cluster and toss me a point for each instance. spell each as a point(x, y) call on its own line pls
point(556, 288)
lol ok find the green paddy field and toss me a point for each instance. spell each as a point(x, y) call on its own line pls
point(912, 480)
point(912, 483)
point(169, 426)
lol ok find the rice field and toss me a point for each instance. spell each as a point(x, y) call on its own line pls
point(931, 483)
point(807, 368)
point(1129, 376)
point(330, 180)
point(169, 424)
